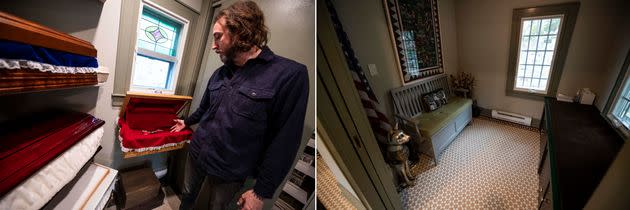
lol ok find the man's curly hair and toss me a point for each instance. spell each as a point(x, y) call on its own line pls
point(246, 22)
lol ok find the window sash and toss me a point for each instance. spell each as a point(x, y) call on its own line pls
point(621, 108)
point(531, 77)
point(161, 14)
point(168, 83)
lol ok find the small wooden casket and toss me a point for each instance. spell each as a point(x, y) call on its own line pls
point(145, 121)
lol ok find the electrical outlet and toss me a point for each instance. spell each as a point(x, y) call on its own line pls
point(372, 68)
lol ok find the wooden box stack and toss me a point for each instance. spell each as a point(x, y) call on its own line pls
point(139, 189)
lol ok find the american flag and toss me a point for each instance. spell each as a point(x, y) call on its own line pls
point(378, 121)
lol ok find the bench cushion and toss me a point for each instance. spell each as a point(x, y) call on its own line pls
point(432, 122)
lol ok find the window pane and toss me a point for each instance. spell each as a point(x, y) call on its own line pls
point(530, 57)
point(537, 71)
point(533, 41)
point(521, 71)
point(522, 58)
point(527, 82)
point(542, 43)
point(526, 27)
point(545, 72)
point(524, 43)
point(529, 70)
point(535, 83)
point(145, 44)
point(548, 58)
point(545, 26)
point(151, 73)
point(551, 42)
point(159, 32)
point(555, 25)
point(543, 84)
point(535, 27)
point(539, 57)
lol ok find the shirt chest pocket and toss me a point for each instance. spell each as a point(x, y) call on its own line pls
point(252, 103)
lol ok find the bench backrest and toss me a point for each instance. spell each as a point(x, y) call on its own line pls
point(408, 98)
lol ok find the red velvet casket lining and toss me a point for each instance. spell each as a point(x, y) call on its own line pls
point(138, 139)
point(151, 114)
point(30, 144)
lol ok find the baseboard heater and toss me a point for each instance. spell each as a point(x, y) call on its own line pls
point(512, 117)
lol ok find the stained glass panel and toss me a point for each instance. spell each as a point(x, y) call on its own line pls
point(157, 33)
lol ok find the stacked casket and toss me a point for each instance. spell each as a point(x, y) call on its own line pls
point(34, 57)
point(145, 122)
point(45, 159)
point(39, 155)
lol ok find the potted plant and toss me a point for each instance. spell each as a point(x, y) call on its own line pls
point(463, 84)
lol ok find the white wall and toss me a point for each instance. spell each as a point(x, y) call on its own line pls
point(368, 31)
point(483, 33)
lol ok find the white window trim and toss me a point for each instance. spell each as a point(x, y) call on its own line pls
point(555, 50)
point(181, 42)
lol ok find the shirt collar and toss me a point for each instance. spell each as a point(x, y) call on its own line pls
point(266, 54)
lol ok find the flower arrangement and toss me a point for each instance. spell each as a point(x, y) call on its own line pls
point(463, 80)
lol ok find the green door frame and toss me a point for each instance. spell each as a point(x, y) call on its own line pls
point(341, 116)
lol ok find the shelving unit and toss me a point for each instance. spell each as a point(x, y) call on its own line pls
point(298, 192)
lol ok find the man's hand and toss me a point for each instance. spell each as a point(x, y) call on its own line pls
point(179, 125)
point(250, 201)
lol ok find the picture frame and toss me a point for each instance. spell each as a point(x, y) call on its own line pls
point(415, 32)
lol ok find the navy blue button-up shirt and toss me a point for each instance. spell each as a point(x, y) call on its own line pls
point(250, 121)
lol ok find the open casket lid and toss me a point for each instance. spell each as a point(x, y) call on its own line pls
point(146, 112)
point(136, 99)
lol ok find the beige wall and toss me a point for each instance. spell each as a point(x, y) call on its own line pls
point(483, 32)
point(619, 50)
point(366, 26)
point(613, 190)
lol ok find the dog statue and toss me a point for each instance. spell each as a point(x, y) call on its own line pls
point(398, 155)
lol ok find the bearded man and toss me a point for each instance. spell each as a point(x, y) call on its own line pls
point(250, 118)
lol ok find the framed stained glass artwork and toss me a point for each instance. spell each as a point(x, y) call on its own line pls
point(415, 31)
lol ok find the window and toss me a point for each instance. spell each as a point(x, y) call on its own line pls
point(621, 110)
point(618, 106)
point(540, 39)
point(158, 51)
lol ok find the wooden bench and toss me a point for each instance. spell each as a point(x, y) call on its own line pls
point(432, 131)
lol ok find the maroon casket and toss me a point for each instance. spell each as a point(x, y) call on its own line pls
point(145, 122)
point(30, 143)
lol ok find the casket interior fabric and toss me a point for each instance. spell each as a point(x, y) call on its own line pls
point(146, 120)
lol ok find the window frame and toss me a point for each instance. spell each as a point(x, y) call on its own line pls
point(569, 12)
point(180, 43)
point(192, 55)
point(613, 98)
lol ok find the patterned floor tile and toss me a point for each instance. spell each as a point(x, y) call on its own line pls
point(490, 165)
